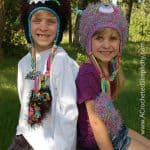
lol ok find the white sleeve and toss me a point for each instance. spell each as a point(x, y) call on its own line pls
point(19, 81)
point(20, 86)
point(66, 108)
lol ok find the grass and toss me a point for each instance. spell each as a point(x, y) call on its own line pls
point(9, 104)
point(128, 102)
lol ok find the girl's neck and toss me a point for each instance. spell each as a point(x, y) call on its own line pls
point(105, 67)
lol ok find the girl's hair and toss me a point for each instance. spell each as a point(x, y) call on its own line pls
point(96, 17)
point(118, 84)
point(60, 7)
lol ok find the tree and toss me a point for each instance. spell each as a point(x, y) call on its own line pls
point(11, 26)
point(2, 24)
point(129, 9)
point(140, 22)
point(70, 29)
point(81, 5)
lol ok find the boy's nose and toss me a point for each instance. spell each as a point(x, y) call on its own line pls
point(44, 26)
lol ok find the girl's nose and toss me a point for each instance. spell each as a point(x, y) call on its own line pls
point(106, 43)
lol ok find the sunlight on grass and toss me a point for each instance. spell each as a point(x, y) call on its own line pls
point(65, 38)
point(8, 86)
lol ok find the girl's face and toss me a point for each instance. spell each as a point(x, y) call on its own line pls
point(43, 29)
point(105, 44)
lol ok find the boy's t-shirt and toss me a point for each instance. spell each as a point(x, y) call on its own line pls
point(60, 121)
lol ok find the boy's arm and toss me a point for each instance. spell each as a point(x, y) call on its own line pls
point(66, 108)
point(19, 81)
point(98, 127)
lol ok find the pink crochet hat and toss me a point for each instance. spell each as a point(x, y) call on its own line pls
point(100, 15)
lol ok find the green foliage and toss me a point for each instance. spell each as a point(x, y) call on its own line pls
point(140, 23)
point(77, 53)
point(14, 39)
point(13, 36)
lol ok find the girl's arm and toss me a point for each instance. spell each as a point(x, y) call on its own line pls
point(98, 127)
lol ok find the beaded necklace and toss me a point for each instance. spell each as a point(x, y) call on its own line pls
point(105, 80)
point(104, 106)
point(40, 97)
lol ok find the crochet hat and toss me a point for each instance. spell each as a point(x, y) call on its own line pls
point(98, 16)
point(59, 8)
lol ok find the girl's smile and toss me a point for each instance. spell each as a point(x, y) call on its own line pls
point(106, 53)
point(105, 44)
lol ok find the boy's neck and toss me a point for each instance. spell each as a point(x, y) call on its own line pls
point(42, 49)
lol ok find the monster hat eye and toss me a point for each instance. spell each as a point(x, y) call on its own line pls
point(106, 8)
point(42, 1)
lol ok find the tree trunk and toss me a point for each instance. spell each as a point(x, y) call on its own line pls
point(81, 5)
point(129, 10)
point(70, 29)
point(76, 33)
point(2, 22)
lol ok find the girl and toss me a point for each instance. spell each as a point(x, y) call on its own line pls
point(103, 32)
point(46, 80)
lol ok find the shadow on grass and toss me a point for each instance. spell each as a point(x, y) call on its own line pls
point(9, 112)
point(9, 103)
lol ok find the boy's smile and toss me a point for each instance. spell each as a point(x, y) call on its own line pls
point(43, 29)
point(43, 36)
point(105, 44)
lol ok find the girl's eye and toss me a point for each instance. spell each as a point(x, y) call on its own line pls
point(113, 38)
point(99, 38)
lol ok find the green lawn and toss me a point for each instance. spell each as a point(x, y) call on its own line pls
point(128, 102)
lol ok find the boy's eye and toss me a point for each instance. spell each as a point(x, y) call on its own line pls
point(36, 20)
point(51, 21)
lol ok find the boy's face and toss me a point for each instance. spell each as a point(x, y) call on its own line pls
point(43, 29)
point(105, 44)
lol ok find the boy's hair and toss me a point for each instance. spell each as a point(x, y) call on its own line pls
point(98, 16)
point(60, 9)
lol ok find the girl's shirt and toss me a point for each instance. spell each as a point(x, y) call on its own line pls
point(58, 129)
point(88, 88)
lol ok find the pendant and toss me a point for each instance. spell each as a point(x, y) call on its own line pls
point(32, 75)
point(39, 105)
